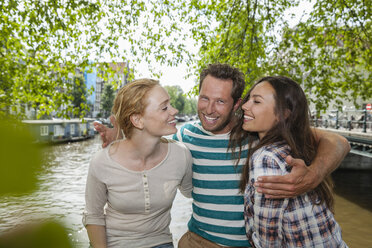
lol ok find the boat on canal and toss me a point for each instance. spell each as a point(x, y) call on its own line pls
point(61, 130)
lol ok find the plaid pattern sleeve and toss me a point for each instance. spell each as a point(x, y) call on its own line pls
point(290, 222)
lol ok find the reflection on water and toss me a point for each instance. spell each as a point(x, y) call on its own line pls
point(60, 196)
point(60, 193)
point(355, 186)
point(353, 208)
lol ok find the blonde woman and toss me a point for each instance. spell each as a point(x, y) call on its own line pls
point(132, 182)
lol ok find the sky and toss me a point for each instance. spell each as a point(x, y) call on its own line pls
point(171, 76)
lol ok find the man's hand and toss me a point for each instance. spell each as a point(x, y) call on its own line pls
point(107, 134)
point(301, 179)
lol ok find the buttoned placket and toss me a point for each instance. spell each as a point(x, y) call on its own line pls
point(146, 192)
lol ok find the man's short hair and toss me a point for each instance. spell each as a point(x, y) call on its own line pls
point(225, 71)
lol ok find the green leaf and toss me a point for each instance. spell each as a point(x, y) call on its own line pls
point(20, 158)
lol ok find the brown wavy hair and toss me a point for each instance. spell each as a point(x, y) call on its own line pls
point(226, 72)
point(293, 127)
point(130, 100)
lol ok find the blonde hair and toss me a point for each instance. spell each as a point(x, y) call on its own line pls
point(131, 100)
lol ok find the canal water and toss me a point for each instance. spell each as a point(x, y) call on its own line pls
point(60, 196)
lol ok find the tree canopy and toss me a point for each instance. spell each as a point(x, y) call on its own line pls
point(328, 52)
point(331, 53)
point(43, 42)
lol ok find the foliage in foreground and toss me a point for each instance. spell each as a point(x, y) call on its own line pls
point(20, 162)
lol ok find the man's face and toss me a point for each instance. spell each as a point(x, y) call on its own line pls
point(215, 105)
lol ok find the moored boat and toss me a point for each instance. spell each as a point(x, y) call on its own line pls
point(60, 130)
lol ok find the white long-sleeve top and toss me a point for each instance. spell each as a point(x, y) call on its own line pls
point(134, 206)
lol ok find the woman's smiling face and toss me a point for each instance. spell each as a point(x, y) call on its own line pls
point(259, 110)
point(159, 116)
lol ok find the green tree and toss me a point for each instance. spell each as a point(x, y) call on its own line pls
point(44, 42)
point(190, 106)
point(240, 33)
point(185, 104)
point(177, 99)
point(331, 52)
point(180, 103)
point(79, 96)
point(108, 96)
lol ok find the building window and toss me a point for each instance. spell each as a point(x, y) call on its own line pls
point(83, 129)
point(58, 130)
point(72, 129)
point(44, 130)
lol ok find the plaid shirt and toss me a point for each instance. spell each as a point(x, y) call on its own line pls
point(290, 222)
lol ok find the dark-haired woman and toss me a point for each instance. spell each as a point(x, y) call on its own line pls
point(276, 124)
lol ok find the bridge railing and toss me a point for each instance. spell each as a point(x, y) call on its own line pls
point(356, 120)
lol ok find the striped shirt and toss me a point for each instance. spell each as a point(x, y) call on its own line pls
point(290, 222)
point(217, 204)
